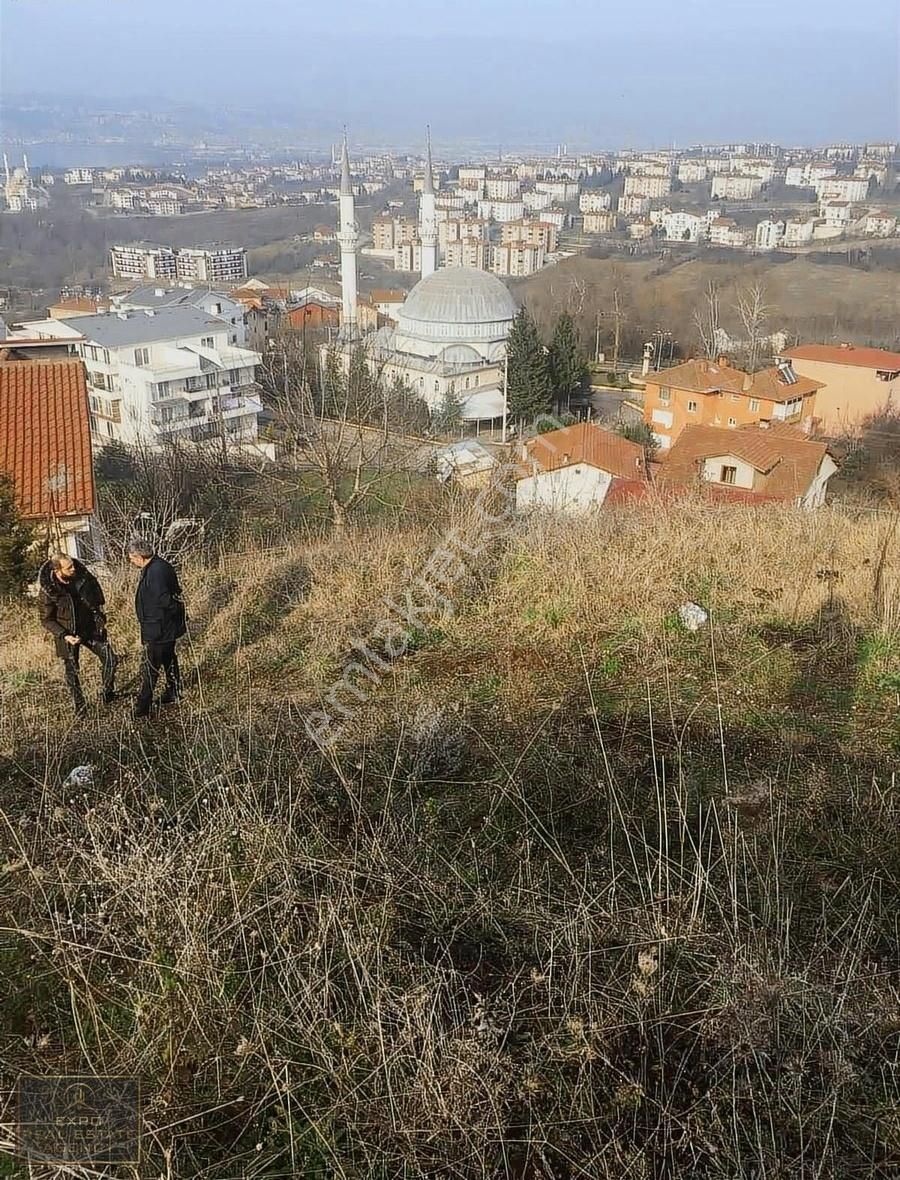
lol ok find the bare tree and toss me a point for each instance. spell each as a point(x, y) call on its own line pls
point(706, 321)
point(753, 314)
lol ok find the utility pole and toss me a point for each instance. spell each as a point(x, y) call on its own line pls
point(617, 339)
point(505, 396)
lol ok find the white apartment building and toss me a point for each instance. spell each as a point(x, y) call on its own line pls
point(517, 259)
point(474, 252)
point(501, 209)
point(725, 232)
point(692, 171)
point(216, 264)
point(532, 233)
point(684, 227)
point(558, 190)
point(595, 201)
point(142, 260)
point(650, 186)
point(640, 230)
point(167, 373)
point(502, 187)
point(806, 175)
point(205, 299)
point(600, 223)
point(408, 256)
point(769, 234)
point(634, 206)
point(799, 231)
point(880, 225)
point(449, 203)
point(836, 213)
point(557, 217)
point(164, 206)
point(458, 229)
point(842, 188)
point(736, 188)
point(79, 176)
point(472, 174)
point(535, 201)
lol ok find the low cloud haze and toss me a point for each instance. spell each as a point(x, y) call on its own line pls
point(514, 72)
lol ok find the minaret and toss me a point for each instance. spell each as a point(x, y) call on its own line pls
point(348, 240)
point(428, 218)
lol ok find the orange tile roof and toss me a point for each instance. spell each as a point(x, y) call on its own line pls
point(45, 437)
point(82, 303)
point(584, 443)
point(703, 376)
point(846, 354)
point(785, 462)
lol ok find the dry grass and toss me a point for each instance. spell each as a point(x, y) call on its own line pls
point(579, 894)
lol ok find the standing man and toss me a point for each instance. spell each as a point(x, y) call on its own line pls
point(160, 613)
point(71, 607)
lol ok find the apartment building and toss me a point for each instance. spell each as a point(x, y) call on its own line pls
point(634, 206)
point(214, 264)
point(458, 229)
point(880, 224)
point(408, 255)
point(517, 259)
point(498, 186)
point(736, 188)
point(714, 393)
point(837, 213)
point(855, 382)
point(475, 252)
point(536, 201)
point(595, 201)
point(532, 233)
point(799, 231)
point(769, 234)
point(167, 373)
point(725, 232)
point(503, 209)
point(558, 190)
point(599, 223)
point(653, 187)
point(142, 260)
point(692, 171)
point(78, 176)
point(684, 227)
point(852, 189)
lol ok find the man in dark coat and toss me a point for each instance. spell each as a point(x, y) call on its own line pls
point(160, 613)
point(71, 606)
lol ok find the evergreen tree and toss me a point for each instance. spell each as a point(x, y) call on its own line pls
point(640, 433)
point(568, 372)
point(16, 538)
point(447, 418)
point(529, 391)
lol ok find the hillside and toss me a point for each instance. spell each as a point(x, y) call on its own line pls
point(574, 891)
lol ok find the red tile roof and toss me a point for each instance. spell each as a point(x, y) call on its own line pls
point(785, 463)
point(703, 376)
point(846, 354)
point(584, 443)
point(45, 438)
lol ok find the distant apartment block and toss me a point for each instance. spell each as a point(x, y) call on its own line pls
point(558, 190)
point(653, 187)
point(684, 227)
point(517, 259)
point(692, 171)
point(725, 232)
point(769, 234)
point(842, 188)
point(600, 223)
point(502, 209)
point(502, 187)
point(474, 252)
point(79, 176)
point(736, 188)
point(595, 201)
point(531, 233)
point(216, 265)
point(634, 206)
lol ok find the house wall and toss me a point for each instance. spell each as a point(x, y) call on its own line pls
point(850, 394)
point(667, 419)
point(570, 489)
point(744, 475)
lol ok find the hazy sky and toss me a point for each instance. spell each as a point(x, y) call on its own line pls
point(511, 70)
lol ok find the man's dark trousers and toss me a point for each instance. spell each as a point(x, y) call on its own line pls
point(158, 657)
point(107, 657)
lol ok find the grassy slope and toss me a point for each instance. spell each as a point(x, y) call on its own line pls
point(577, 893)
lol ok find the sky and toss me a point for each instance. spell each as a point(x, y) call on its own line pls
point(589, 72)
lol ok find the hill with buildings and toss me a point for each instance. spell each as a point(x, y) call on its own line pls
point(466, 854)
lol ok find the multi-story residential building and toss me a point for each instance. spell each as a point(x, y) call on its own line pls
point(600, 223)
point(498, 186)
point(152, 298)
point(837, 213)
point(558, 190)
point(880, 224)
point(449, 204)
point(799, 231)
point(692, 171)
point(641, 229)
point(653, 187)
point(736, 187)
point(769, 234)
point(517, 259)
point(476, 252)
point(634, 206)
point(725, 232)
point(535, 201)
point(855, 383)
point(167, 373)
point(216, 264)
point(472, 175)
point(142, 260)
point(457, 229)
point(79, 176)
point(164, 206)
point(408, 255)
point(852, 189)
point(503, 209)
point(532, 233)
point(808, 174)
point(595, 201)
point(383, 234)
point(714, 393)
point(557, 217)
point(684, 227)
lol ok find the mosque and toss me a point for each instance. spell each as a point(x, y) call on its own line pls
point(451, 329)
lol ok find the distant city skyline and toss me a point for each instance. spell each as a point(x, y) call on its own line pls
point(523, 72)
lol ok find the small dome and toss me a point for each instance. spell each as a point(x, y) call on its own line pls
point(458, 295)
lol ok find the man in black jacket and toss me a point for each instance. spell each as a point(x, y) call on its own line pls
point(160, 613)
point(71, 607)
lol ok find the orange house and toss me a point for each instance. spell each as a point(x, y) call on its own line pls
point(714, 393)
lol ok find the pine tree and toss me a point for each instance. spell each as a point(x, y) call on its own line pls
point(16, 538)
point(447, 418)
point(568, 371)
point(528, 391)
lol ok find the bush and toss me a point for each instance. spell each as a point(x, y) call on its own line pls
point(17, 562)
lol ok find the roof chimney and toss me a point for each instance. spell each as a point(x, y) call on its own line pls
point(747, 383)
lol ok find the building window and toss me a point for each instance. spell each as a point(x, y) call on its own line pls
point(735, 397)
point(665, 396)
point(207, 342)
point(729, 475)
point(142, 357)
point(732, 421)
point(754, 404)
point(692, 407)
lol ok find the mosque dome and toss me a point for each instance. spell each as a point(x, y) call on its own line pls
point(458, 306)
